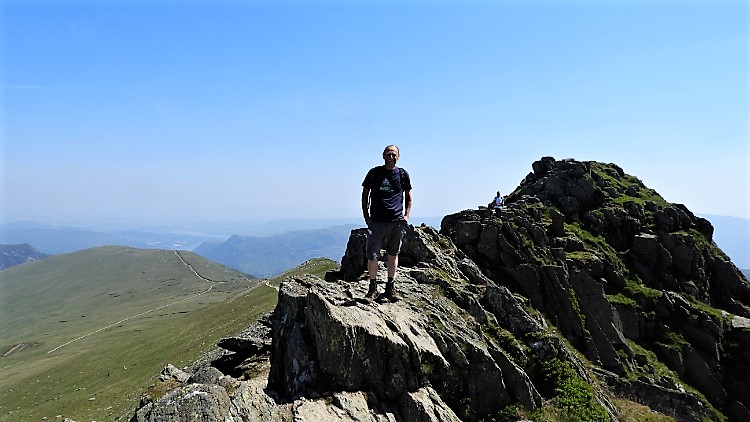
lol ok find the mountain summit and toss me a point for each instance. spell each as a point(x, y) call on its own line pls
point(588, 298)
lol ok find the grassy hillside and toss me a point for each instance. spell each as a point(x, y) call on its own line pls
point(101, 376)
point(66, 294)
point(316, 266)
point(120, 315)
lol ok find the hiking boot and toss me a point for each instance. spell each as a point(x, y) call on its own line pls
point(390, 293)
point(372, 293)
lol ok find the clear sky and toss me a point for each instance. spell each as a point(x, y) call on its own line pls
point(165, 111)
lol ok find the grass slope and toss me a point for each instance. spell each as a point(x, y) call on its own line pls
point(67, 294)
point(102, 376)
point(316, 266)
point(132, 312)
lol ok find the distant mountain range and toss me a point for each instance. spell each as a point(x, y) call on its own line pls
point(60, 239)
point(272, 255)
point(11, 255)
point(732, 235)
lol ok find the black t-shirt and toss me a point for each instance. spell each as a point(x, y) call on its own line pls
point(387, 189)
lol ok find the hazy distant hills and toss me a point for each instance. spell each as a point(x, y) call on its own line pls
point(11, 255)
point(271, 255)
point(59, 239)
point(732, 235)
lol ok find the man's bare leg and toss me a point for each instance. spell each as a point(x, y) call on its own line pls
point(372, 268)
point(390, 288)
point(392, 265)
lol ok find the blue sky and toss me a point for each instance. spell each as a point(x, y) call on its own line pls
point(159, 111)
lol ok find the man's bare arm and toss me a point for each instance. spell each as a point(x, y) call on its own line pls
point(408, 202)
point(366, 205)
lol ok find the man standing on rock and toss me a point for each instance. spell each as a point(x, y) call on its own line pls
point(386, 192)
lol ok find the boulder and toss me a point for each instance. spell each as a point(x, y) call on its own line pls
point(209, 403)
point(328, 343)
point(174, 373)
point(354, 261)
point(247, 346)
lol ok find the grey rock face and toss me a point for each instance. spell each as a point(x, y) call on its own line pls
point(607, 273)
point(195, 402)
point(327, 342)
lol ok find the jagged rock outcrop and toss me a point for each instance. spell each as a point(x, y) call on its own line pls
point(588, 287)
point(621, 273)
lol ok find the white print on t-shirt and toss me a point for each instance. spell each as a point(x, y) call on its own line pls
point(386, 186)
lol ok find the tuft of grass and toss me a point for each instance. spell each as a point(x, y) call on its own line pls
point(507, 341)
point(636, 412)
point(444, 243)
point(718, 314)
point(635, 289)
point(622, 300)
point(657, 370)
point(595, 246)
point(620, 181)
point(572, 395)
point(510, 413)
point(316, 266)
point(161, 388)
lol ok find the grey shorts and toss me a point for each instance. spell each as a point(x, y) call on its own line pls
point(388, 234)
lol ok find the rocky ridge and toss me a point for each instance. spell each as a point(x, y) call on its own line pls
point(589, 287)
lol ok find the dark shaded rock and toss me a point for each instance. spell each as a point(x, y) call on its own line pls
point(354, 261)
point(247, 346)
point(681, 405)
point(206, 375)
point(703, 377)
